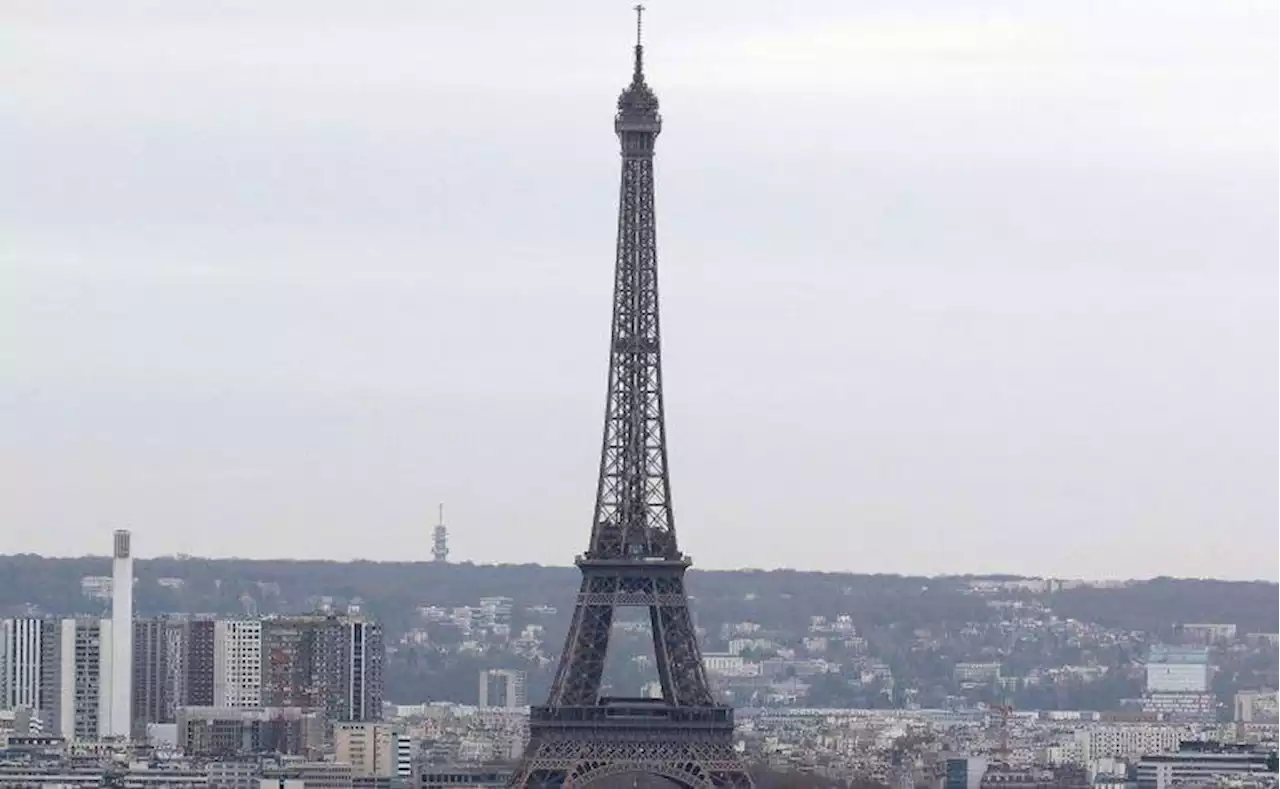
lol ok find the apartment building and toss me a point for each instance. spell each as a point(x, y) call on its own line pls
point(79, 678)
point(23, 651)
point(503, 688)
point(372, 749)
point(237, 663)
point(334, 663)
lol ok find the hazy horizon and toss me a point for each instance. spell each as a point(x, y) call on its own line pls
point(948, 287)
point(568, 565)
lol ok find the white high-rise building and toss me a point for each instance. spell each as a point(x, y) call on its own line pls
point(1178, 670)
point(21, 662)
point(83, 682)
point(503, 688)
point(120, 686)
point(60, 669)
point(237, 663)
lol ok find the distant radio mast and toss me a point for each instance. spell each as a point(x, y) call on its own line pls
point(440, 540)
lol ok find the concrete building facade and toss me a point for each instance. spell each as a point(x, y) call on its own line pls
point(1129, 740)
point(334, 663)
point(199, 650)
point(372, 749)
point(1203, 764)
point(503, 688)
point(237, 663)
point(1178, 670)
point(22, 662)
point(82, 682)
point(153, 682)
point(223, 731)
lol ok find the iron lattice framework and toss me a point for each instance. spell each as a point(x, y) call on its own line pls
point(578, 736)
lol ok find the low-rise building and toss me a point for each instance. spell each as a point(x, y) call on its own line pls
point(1199, 763)
point(226, 732)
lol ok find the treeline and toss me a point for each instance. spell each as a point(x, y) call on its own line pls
point(1159, 605)
point(394, 590)
point(913, 624)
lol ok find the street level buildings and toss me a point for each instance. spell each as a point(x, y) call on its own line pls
point(373, 750)
point(223, 731)
point(1201, 763)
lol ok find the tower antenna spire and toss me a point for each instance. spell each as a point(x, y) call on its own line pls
point(440, 539)
point(639, 72)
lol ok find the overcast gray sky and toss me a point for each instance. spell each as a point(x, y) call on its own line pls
point(949, 285)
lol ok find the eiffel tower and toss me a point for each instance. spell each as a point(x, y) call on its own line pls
point(579, 737)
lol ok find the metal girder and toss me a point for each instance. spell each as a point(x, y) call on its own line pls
point(690, 761)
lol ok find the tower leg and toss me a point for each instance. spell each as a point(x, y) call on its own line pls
point(577, 681)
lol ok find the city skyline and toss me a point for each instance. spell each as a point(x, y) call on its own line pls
point(948, 288)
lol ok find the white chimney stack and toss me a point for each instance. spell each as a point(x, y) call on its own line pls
point(121, 708)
